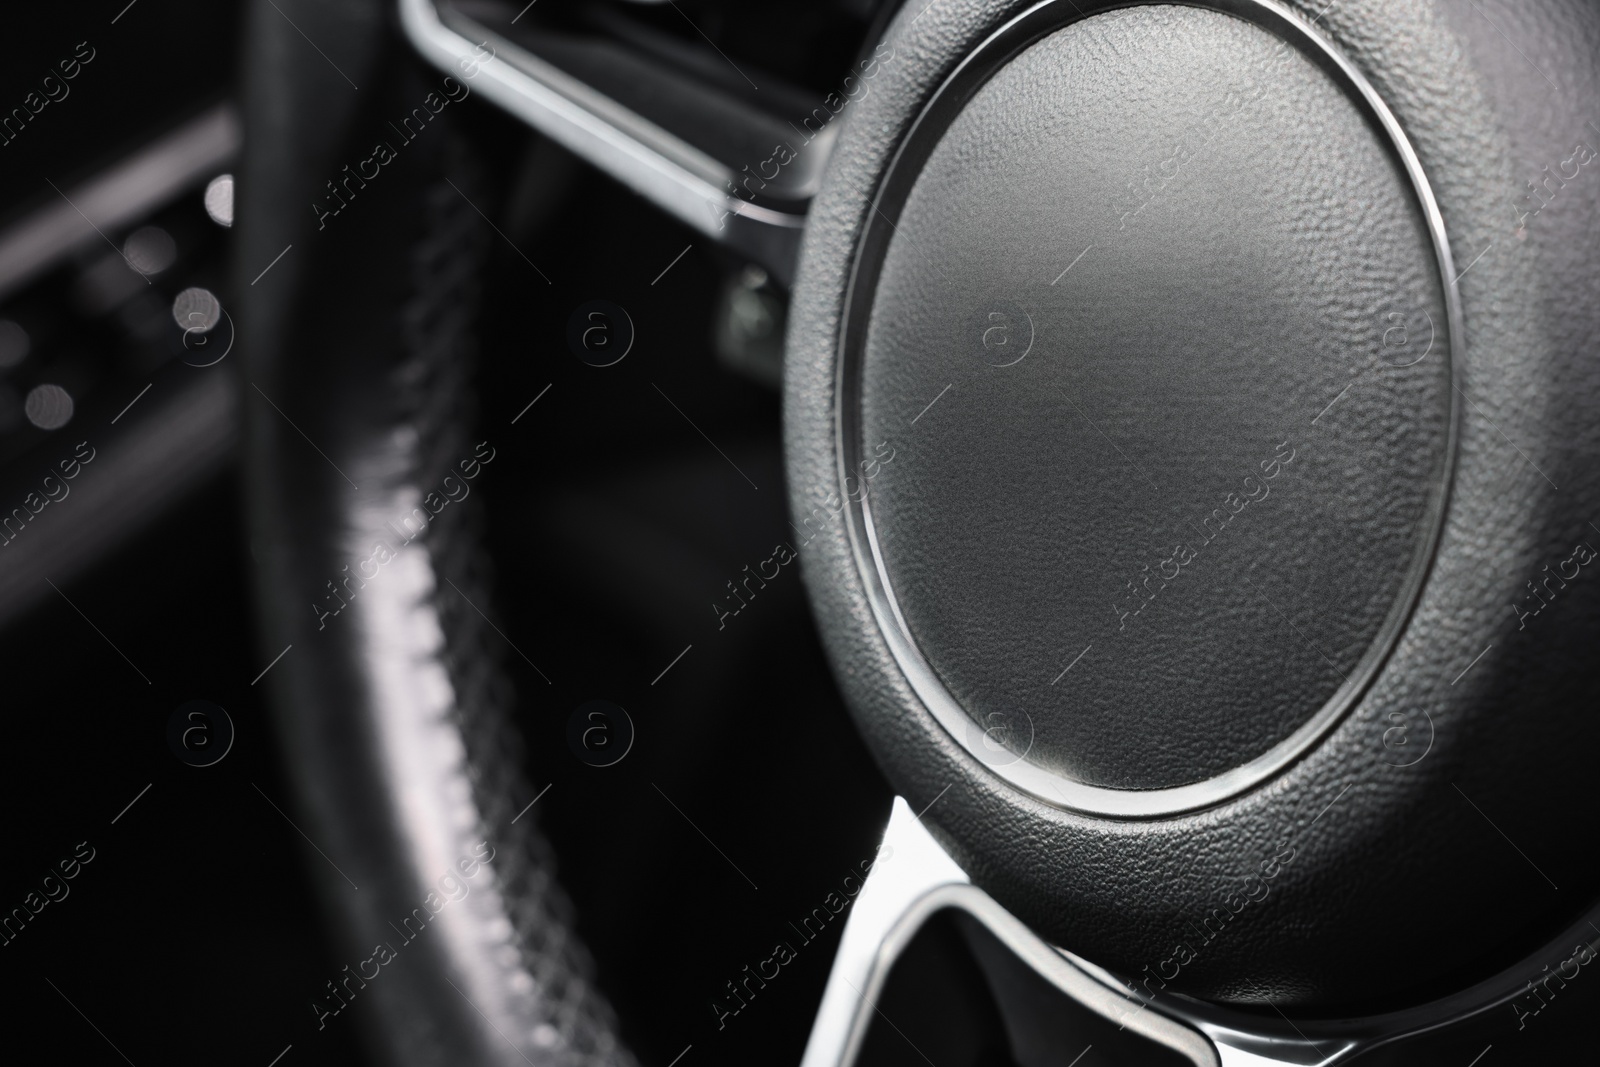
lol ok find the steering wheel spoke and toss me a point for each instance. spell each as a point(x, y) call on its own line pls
point(697, 149)
point(913, 879)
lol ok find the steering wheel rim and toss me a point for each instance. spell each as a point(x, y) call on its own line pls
point(392, 704)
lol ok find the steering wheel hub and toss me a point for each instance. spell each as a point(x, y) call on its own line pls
point(1151, 309)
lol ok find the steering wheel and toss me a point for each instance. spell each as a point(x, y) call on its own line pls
point(1187, 419)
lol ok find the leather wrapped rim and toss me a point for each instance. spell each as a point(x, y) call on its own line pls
point(390, 700)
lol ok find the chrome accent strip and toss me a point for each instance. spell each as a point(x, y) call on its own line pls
point(913, 878)
point(658, 165)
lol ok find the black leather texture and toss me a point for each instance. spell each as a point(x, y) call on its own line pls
point(1175, 452)
point(357, 336)
point(1368, 875)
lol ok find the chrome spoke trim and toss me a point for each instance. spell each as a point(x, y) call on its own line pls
point(657, 164)
point(914, 878)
